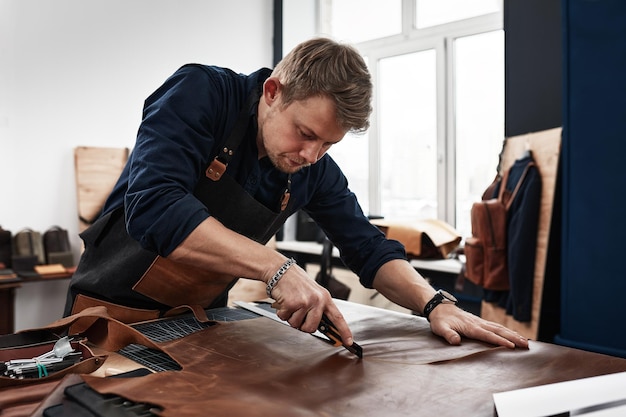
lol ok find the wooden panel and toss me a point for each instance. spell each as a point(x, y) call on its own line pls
point(545, 147)
point(97, 170)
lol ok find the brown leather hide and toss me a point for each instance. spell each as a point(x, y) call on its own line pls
point(259, 367)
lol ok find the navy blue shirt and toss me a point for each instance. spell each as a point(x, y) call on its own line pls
point(185, 122)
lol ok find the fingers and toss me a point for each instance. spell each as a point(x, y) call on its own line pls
point(499, 335)
point(491, 337)
point(511, 336)
point(451, 337)
point(305, 321)
point(308, 321)
point(457, 323)
point(335, 316)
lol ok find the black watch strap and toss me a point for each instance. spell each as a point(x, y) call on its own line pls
point(437, 299)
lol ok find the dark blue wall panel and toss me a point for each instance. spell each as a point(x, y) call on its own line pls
point(594, 176)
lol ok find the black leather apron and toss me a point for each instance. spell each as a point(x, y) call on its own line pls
point(115, 270)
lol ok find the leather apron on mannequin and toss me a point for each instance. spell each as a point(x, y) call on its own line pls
point(136, 284)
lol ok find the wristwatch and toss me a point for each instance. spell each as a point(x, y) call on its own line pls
point(441, 297)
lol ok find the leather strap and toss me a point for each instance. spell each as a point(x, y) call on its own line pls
point(130, 315)
point(217, 167)
point(504, 196)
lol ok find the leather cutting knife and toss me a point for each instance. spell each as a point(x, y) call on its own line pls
point(329, 330)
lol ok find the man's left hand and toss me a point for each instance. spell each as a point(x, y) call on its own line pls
point(451, 323)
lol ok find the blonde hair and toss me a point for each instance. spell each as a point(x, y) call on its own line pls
point(322, 66)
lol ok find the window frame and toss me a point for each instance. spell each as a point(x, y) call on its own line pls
point(440, 38)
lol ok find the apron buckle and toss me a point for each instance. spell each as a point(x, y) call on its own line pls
point(215, 170)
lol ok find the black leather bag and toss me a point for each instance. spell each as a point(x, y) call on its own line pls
point(57, 247)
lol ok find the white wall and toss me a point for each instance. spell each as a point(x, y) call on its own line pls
point(300, 22)
point(75, 73)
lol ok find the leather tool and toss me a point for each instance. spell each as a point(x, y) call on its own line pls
point(329, 330)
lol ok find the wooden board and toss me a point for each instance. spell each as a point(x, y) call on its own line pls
point(545, 147)
point(97, 170)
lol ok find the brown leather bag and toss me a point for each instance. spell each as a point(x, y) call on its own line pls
point(486, 250)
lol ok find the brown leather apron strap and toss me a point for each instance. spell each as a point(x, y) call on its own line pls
point(130, 315)
point(122, 313)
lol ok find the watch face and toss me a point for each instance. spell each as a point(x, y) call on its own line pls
point(448, 296)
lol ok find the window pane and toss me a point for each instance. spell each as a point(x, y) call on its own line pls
point(408, 136)
point(436, 12)
point(479, 118)
point(362, 20)
point(351, 154)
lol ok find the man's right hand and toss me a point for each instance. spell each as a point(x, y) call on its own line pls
point(301, 301)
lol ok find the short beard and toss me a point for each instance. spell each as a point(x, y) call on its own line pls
point(282, 167)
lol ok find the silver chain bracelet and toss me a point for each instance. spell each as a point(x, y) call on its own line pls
point(278, 275)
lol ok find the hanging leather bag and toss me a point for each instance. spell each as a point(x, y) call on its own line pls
point(486, 250)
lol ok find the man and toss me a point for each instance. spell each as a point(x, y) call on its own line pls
point(221, 160)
